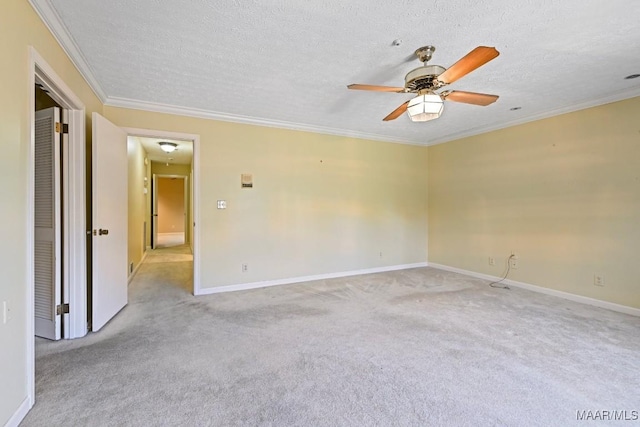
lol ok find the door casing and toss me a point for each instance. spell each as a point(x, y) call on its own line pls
point(74, 206)
point(195, 189)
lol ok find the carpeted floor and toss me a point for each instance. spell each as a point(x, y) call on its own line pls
point(419, 347)
point(169, 240)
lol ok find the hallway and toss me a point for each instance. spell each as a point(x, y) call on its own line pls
point(170, 267)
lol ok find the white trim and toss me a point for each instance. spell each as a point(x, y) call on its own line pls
point(300, 279)
point(57, 88)
point(609, 98)
point(52, 21)
point(39, 69)
point(195, 213)
point(135, 270)
point(547, 291)
point(195, 201)
point(20, 413)
point(75, 187)
point(235, 118)
point(30, 309)
point(78, 227)
point(225, 117)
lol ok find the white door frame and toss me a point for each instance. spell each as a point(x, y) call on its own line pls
point(75, 228)
point(195, 182)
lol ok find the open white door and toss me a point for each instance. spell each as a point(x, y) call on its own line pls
point(47, 253)
point(110, 205)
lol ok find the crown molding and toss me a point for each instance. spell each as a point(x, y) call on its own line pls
point(612, 97)
point(234, 118)
point(52, 21)
point(213, 115)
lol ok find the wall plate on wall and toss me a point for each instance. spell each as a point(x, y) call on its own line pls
point(246, 180)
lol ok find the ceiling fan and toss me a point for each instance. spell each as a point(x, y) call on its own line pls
point(425, 80)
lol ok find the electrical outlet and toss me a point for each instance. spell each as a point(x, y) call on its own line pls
point(245, 268)
point(513, 261)
point(492, 261)
point(598, 280)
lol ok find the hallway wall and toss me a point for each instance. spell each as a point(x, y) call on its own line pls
point(137, 206)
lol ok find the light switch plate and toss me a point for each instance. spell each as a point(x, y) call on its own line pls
point(222, 204)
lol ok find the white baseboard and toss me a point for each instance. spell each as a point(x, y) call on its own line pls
point(135, 270)
point(267, 283)
point(20, 413)
point(540, 289)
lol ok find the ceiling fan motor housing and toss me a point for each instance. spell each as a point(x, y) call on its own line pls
point(425, 77)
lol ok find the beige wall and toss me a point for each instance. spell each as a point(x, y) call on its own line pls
point(564, 193)
point(137, 208)
point(171, 205)
point(173, 169)
point(20, 28)
point(320, 203)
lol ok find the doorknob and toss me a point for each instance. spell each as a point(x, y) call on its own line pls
point(103, 232)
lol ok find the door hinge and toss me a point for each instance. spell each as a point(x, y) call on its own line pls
point(62, 127)
point(62, 309)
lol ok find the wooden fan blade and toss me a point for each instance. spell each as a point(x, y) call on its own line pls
point(472, 60)
point(471, 98)
point(376, 88)
point(397, 112)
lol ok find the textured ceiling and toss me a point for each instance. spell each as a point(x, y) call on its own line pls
point(287, 63)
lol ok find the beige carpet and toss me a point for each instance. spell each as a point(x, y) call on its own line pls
point(169, 240)
point(176, 253)
point(419, 347)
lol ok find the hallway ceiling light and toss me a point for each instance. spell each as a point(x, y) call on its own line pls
point(168, 147)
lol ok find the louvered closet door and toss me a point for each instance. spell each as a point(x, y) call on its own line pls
point(47, 274)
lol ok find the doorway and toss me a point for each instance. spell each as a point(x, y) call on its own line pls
point(162, 196)
point(71, 197)
point(170, 211)
point(50, 158)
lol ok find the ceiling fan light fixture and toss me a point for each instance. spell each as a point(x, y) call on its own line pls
point(425, 107)
point(168, 147)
